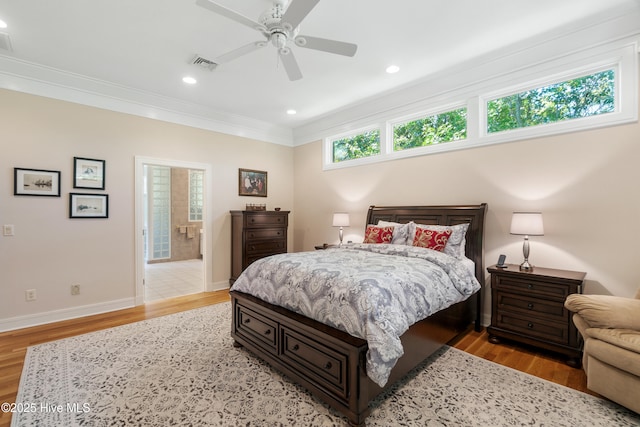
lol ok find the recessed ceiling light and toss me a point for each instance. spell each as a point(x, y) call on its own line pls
point(291, 112)
point(3, 24)
point(189, 80)
point(391, 69)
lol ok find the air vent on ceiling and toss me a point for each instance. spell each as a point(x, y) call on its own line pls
point(5, 42)
point(204, 63)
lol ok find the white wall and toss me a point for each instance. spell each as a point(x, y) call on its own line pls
point(49, 251)
point(584, 183)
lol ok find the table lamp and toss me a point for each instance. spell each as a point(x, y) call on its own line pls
point(340, 219)
point(527, 224)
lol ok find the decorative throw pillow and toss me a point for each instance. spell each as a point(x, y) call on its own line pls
point(401, 232)
point(456, 243)
point(375, 234)
point(431, 239)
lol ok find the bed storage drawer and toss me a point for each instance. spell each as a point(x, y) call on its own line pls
point(315, 360)
point(256, 328)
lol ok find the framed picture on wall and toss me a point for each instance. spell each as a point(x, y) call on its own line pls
point(88, 205)
point(252, 183)
point(88, 173)
point(36, 182)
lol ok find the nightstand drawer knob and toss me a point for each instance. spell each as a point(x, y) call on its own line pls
point(530, 325)
point(530, 306)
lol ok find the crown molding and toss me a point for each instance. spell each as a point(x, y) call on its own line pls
point(23, 76)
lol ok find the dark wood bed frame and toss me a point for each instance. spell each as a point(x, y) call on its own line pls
point(331, 363)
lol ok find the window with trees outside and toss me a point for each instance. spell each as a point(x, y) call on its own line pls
point(575, 94)
point(577, 98)
point(433, 129)
point(363, 144)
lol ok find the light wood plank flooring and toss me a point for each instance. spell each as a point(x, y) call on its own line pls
point(13, 344)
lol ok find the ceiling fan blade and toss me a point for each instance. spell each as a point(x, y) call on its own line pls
point(296, 12)
point(326, 45)
point(221, 10)
point(236, 53)
point(291, 66)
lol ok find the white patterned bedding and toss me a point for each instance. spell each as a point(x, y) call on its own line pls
point(371, 291)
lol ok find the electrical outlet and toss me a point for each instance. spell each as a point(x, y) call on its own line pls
point(75, 289)
point(30, 295)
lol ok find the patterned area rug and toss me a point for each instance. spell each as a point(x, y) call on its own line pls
point(182, 369)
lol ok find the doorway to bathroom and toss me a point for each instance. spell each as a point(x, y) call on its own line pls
point(170, 218)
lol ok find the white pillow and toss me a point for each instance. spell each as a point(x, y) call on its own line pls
point(457, 241)
point(401, 232)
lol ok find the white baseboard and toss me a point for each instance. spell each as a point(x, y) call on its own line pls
point(19, 322)
point(217, 286)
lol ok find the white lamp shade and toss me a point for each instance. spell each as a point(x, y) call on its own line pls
point(340, 219)
point(527, 223)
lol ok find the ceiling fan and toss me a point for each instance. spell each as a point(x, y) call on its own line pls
point(280, 27)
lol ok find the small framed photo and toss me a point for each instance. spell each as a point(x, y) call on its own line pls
point(88, 205)
point(252, 183)
point(88, 173)
point(36, 182)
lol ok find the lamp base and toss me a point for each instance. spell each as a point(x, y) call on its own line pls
point(525, 266)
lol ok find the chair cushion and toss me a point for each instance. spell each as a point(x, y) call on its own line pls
point(605, 311)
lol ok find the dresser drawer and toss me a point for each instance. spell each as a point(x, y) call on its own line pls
point(316, 361)
point(529, 306)
point(527, 286)
point(261, 220)
point(265, 233)
point(537, 328)
point(267, 246)
point(256, 328)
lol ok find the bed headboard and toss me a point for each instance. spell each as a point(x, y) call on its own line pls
point(441, 215)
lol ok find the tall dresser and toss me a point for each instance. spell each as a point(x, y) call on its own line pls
point(255, 235)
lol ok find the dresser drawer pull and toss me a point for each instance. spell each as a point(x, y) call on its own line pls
point(530, 306)
point(296, 347)
point(530, 325)
point(530, 286)
point(328, 365)
point(267, 332)
point(247, 321)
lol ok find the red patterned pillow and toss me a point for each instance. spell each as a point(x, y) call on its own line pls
point(375, 234)
point(431, 239)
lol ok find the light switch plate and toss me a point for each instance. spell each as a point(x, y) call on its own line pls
point(8, 230)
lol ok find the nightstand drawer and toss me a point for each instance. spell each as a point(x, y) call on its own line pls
point(532, 287)
point(548, 331)
point(518, 303)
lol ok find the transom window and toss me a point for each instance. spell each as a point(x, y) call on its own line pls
point(356, 146)
point(429, 130)
point(585, 96)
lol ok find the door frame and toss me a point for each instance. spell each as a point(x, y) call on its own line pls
point(140, 161)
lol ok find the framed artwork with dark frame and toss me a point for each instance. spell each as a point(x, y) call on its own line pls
point(252, 183)
point(83, 205)
point(36, 182)
point(88, 173)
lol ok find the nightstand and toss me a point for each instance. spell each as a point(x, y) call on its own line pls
point(528, 307)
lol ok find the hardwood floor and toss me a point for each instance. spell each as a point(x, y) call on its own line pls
point(13, 345)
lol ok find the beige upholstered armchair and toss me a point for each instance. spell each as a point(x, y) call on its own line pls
point(610, 327)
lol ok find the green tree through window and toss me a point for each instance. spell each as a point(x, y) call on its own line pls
point(435, 129)
point(582, 97)
point(354, 147)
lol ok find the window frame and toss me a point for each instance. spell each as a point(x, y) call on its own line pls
point(623, 59)
point(199, 189)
